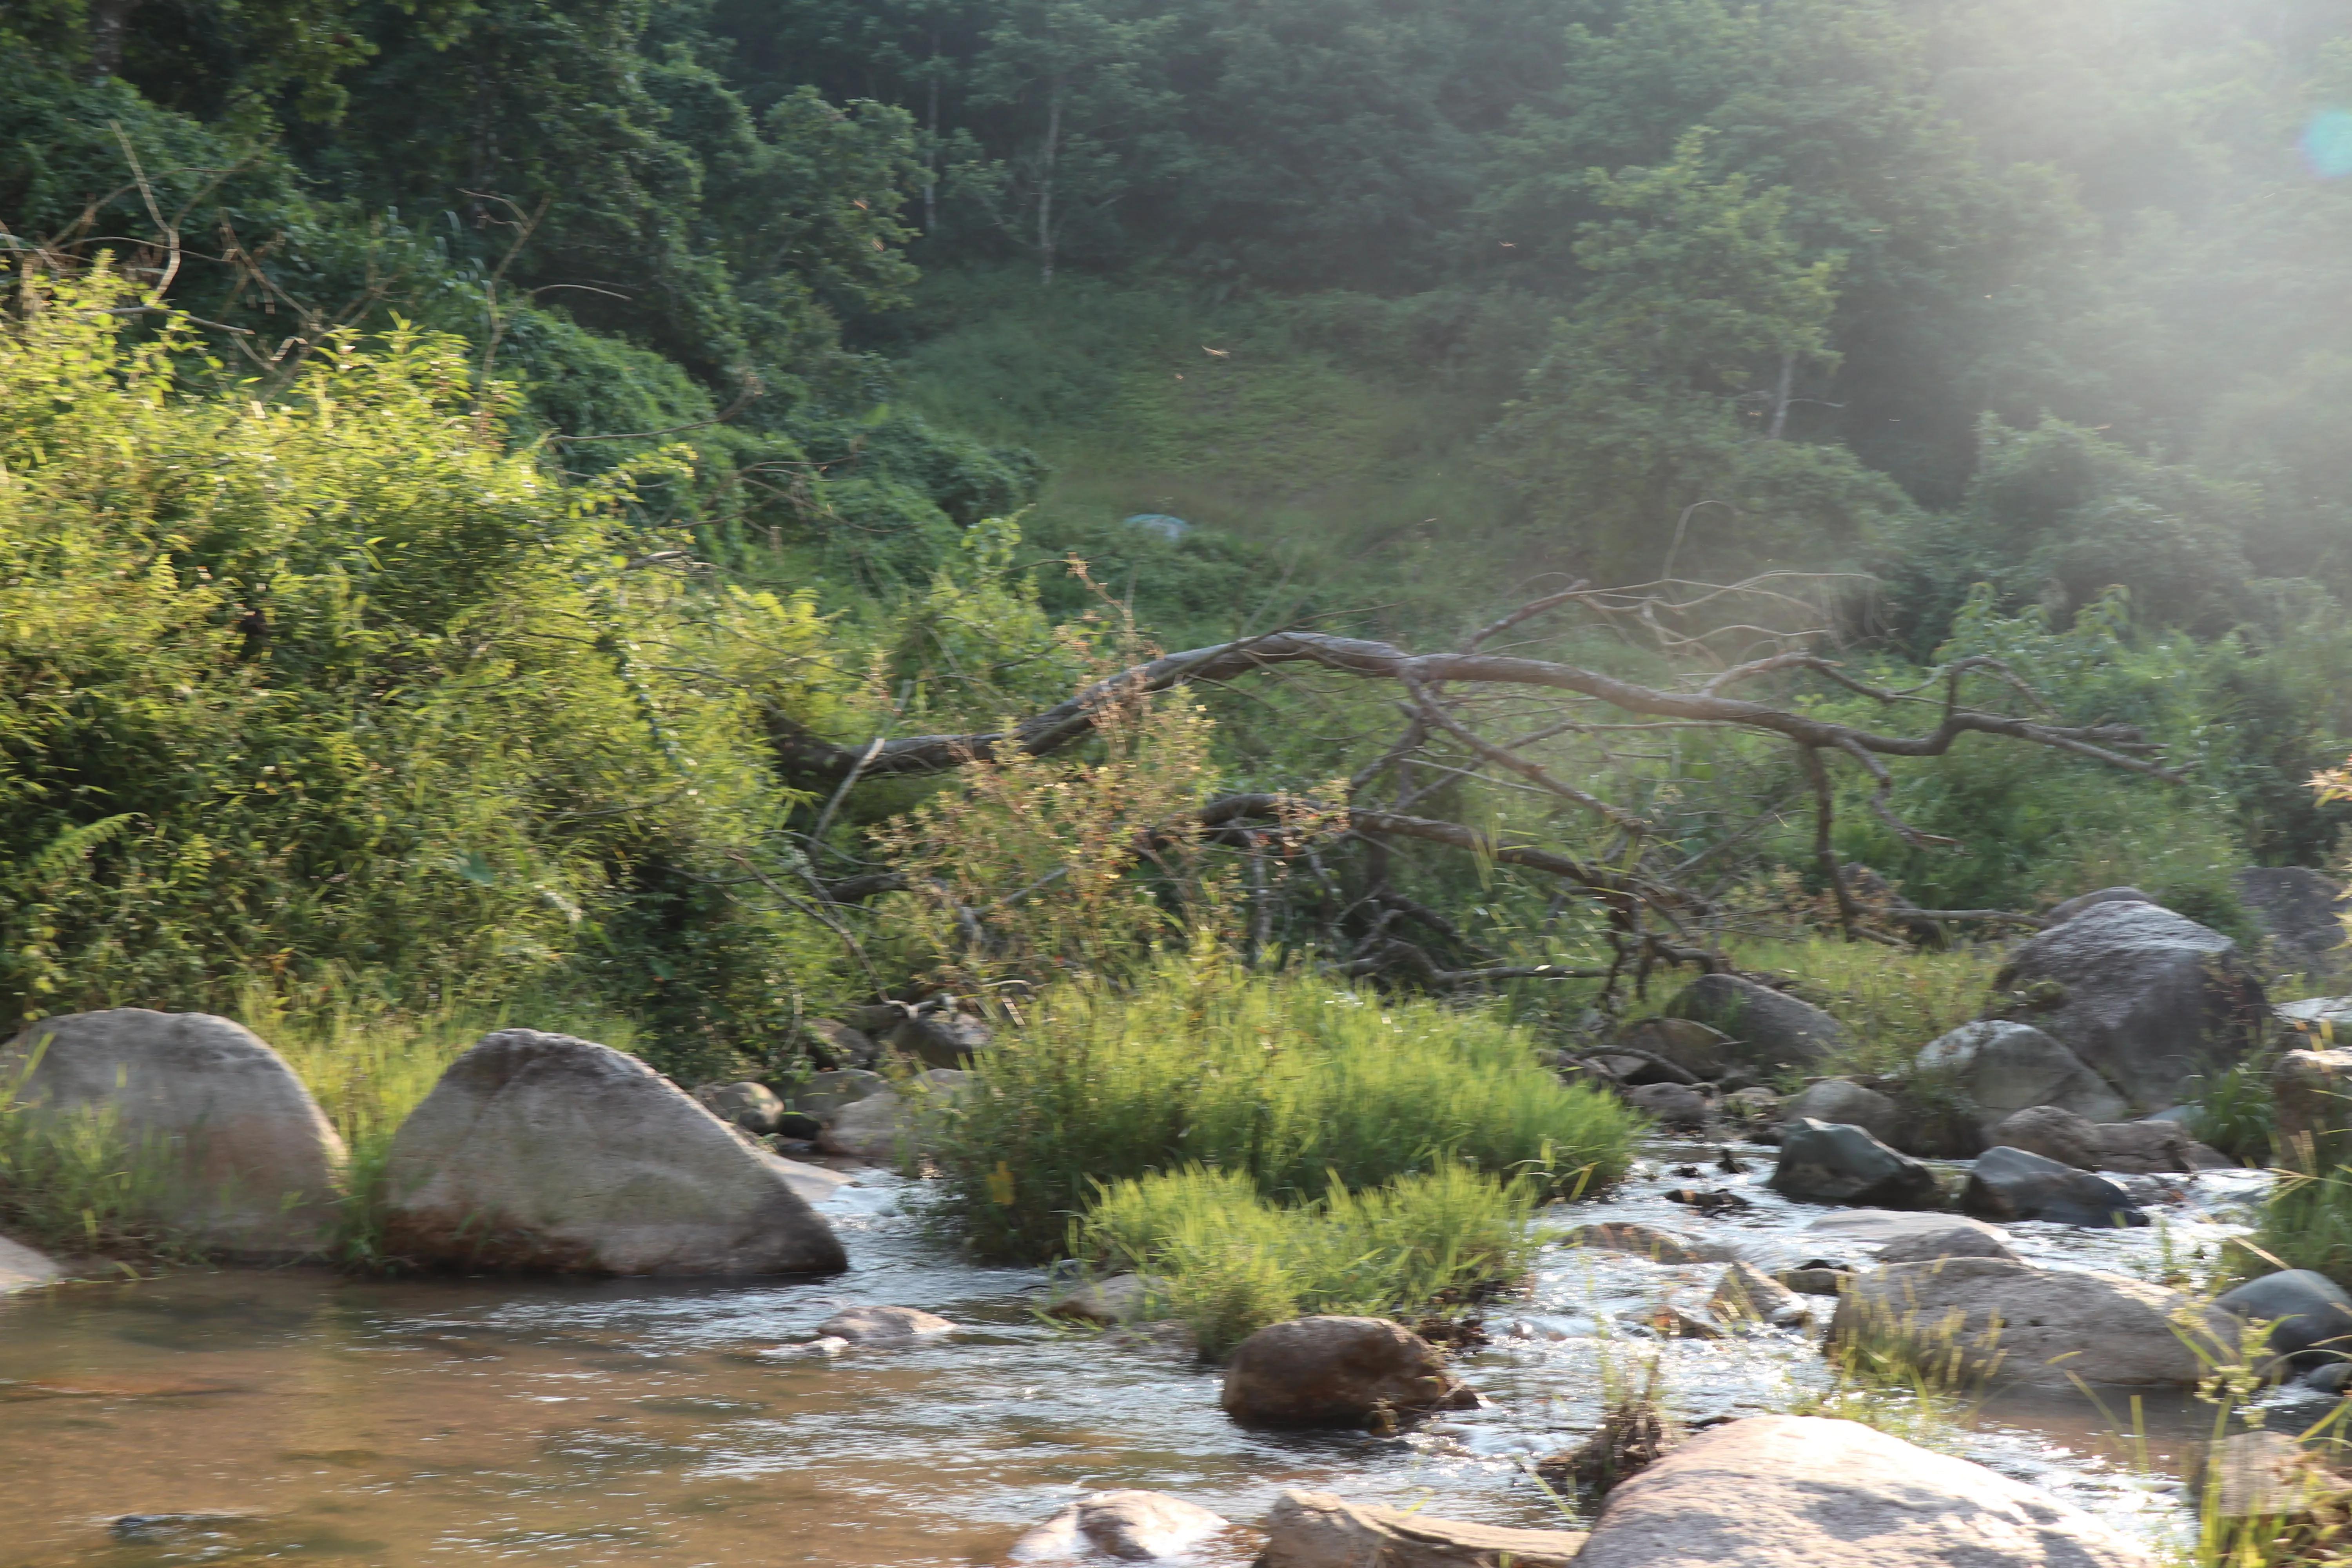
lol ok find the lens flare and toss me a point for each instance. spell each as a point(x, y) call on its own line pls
point(2327, 144)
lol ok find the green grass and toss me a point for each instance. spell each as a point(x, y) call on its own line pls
point(76, 1183)
point(1292, 1081)
point(1892, 1002)
point(1234, 1262)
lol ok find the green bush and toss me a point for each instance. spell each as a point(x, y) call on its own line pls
point(1292, 1081)
point(1232, 1262)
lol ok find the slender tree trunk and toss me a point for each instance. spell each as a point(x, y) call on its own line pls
point(931, 148)
point(1781, 397)
point(108, 20)
point(1046, 181)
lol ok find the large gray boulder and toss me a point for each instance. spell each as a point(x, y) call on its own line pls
point(1999, 1067)
point(1316, 1530)
point(753, 1107)
point(1125, 1526)
point(1988, 1317)
point(1823, 1162)
point(1333, 1372)
point(1838, 1101)
point(1800, 1491)
point(543, 1152)
point(1768, 1030)
point(2297, 907)
point(234, 1155)
point(1699, 1050)
point(2309, 1314)
point(2081, 901)
point(2147, 998)
point(1879, 1228)
point(2151, 1148)
point(889, 1126)
point(2011, 1184)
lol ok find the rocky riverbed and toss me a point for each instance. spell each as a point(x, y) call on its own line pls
point(235, 1415)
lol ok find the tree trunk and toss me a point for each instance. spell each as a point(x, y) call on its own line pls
point(108, 20)
point(1045, 182)
point(1781, 397)
point(931, 148)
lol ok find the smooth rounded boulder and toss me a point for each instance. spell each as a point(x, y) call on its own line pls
point(2310, 1315)
point(1822, 1162)
point(1333, 1372)
point(1802, 1492)
point(545, 1152)
point(753, 1107)
point(2149, 999)
point(1991, 1318)
point(1999, 1067)
point(1766, 1029)
point(2053, 1133)
point(237, 1156)
point(1837, 1100)
point(2014, 1184)
point(22, 1268)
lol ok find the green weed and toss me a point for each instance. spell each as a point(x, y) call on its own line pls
point(1287, 1080)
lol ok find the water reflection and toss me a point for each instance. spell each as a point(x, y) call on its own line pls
point(258, 1416)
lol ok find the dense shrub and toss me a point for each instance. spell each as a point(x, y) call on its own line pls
point(1291, 1082)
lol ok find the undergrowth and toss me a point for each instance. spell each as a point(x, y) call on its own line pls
point(1291, 1082)
point(1232, 1262)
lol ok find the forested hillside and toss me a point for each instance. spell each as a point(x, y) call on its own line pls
point(491, 493)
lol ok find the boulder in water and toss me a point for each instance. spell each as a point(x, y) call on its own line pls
point(1768, 1029)
point(235, 1156)
point(1333, 1372)
point(1952, 1241)
point(1745, 1294)
point(2053, 1133)
point(1121, 1298)
point(1822, 1162)
point(1999, 1067)
point(2012, 1184)
point(2040, 1326)
point(1316, 1530)
point(2147, 998)
point(1644, 1241)
point(1879, 1228)
point(1800, 1491)
point(2309, 1314)
point(2152, 1147)
point(884, 1326)
point(1835, 1099)
point(543, 1152)
point(1122, 1527)
point(22, 1268)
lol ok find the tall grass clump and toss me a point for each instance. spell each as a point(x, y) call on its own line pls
point(78, 1182)
point(1291, 1082)
point(1232, 1262)
point(2307, 1221)
point(1891, 1004)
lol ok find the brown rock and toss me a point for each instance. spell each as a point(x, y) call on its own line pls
point(1316, 1530)
point(1745, 1294)
point(1333, 1372)
point(1674, 1104)
point(2053, 1133)
point(2146, 1148)
point(1954, 1241)
point(1796, 1491)
point(883, 1326)
point(1123, 1527)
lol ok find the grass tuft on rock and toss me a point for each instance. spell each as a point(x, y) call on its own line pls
point(1234, 1262)
point(1290, 1082)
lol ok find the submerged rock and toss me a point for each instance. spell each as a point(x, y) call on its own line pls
point(884, 1326)
point(543, 1152)
point(1768, 1029)
point(1991, 1317)
point(1999, 1067)
point(233, 1154)
point(1123, 1527)
point(2011, 1184)
point(2147, 998)
point(1826, 1164)
point(1797, 1492)
point(1883, 1227)
point(1333, 1372)
point(1642, 1241)
point(1316, 1530)
point(2309, 1314)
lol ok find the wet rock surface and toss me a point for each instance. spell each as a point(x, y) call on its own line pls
point(2310, 1315)
point(1126, 1526)
point(1823, 1163)
point(1788, 1491)
point(1333, 1372)
point(2009, 1184)
point(22, 1268)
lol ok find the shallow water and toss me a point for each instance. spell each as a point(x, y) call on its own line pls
point(436, 1421)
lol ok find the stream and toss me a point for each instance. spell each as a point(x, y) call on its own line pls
point(258, 1416)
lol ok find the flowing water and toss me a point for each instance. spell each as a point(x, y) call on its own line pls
point(294, 1416)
